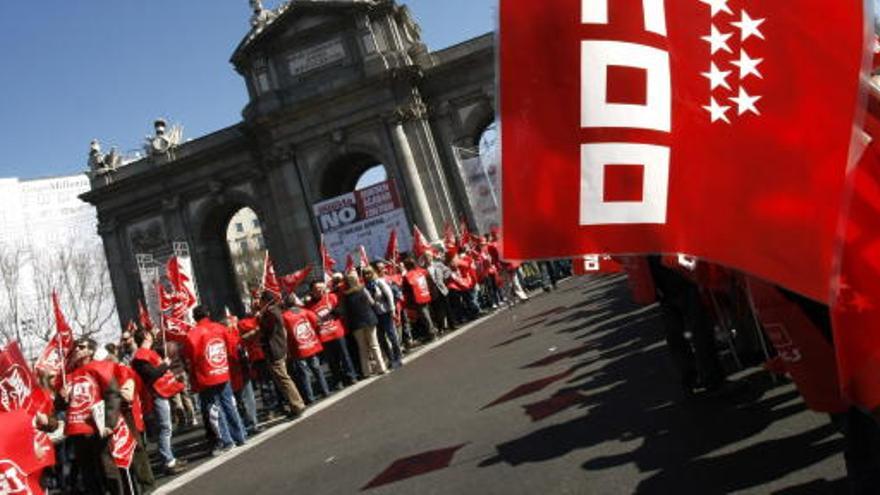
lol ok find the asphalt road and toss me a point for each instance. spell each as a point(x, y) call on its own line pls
point(570, 393)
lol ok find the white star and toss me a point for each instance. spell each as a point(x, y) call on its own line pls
point(717, 77)
point(748, 26)
point(746, 102)
point(717, 6)
point(718, 112)
point(718, 40)
point(747, 65)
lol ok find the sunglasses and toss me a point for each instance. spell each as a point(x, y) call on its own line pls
point(82, 346)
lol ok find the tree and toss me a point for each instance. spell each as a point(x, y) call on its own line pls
point(11, 261)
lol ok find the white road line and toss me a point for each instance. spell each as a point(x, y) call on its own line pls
point(274, 431)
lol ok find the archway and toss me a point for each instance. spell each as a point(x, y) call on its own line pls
point(351, 172)
point(230, 252)
point(247, 251)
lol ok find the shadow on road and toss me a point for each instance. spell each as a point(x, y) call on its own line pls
point(622, 380)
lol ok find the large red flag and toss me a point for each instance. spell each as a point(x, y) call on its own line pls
point(856, 310)
point(17, 381)
point(420, 244)
point(392, 252)
point(349, 263)
point(53, 359)
point(718, 128)
point(290, 282)
point(183, 295)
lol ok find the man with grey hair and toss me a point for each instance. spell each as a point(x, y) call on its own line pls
point(438, 274)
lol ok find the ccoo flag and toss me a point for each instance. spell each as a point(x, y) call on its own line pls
point(718, 128)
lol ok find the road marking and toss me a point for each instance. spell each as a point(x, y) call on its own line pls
point(274, 431)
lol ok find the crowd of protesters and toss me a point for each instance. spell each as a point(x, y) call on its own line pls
point(289, 350)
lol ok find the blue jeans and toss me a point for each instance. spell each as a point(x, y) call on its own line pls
point(336, 354)
point(230, 427)
point(247, 399)
point(304, 369)
point(388, 337)
point(163, 414)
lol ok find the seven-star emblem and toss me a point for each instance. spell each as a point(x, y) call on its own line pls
point(717, 6)
point(747, 65)
point(718, 40)
point(745, 102)
point(717, 77)
point(718, 112)
point(749, 27)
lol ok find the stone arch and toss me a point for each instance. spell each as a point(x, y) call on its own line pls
point(340, 172)
point(476, 124)
point(213, 264)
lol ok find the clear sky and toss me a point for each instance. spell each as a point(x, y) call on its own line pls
point(77, 70)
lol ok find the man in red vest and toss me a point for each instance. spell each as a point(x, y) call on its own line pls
point(207, 349)
point(161, 385)
point(304, 347)
point(89, 426)
point(418, 294)
point(332, 334)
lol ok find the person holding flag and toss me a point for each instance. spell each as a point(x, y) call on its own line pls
point(93, 403)
point(161, 386)
point(332, 333)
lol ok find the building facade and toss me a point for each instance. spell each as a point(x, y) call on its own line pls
point(336, 88)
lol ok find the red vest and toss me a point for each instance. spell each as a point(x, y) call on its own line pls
point(208, 353)
point(806, 354)
point(252, 344)
point(236, 371)
point(87, 386)
point(418, 281)
point(302, 340)
point(167, 386)
point(331, 327)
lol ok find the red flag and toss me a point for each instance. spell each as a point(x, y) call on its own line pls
point(856, 309)
point(270, 281)
point(290, 282)
point(144, 317)
point(420, 244)
point(349, 263)
point(364, 259)
point(392, 252)
point(176, 326)
point(122, 445)
point(24, 452)
point(17, 381)
point(327, 261)
point(679, 127)
point(53, 359)
point(183, 295)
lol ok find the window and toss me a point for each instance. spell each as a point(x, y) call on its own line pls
point(239, 227)
point(256, 223)
point(242, 245)
point(261, 244)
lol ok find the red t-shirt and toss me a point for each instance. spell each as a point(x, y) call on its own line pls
point(332, 327)
point(207, 349)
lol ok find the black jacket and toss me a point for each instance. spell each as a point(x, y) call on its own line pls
point(359, 311)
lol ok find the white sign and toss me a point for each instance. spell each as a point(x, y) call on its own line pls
point(315, 57)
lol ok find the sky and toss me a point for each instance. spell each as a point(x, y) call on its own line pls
point(74, 71)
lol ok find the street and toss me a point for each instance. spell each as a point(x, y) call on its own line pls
point(570, 393)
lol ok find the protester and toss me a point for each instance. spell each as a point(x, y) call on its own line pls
point(305, 347)
point(385, 306)
point(332, 334)
point(361, 317)
point(93, 406)
point(418, 296)
point(161, 385)
point(273, 336)
point(207, 350)
point(438, 275)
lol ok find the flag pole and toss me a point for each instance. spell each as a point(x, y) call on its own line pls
point(161, 319)
point(130, 482)
point(63, 361)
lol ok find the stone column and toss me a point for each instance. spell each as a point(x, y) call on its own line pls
point(413, 180)
point(124, 291)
